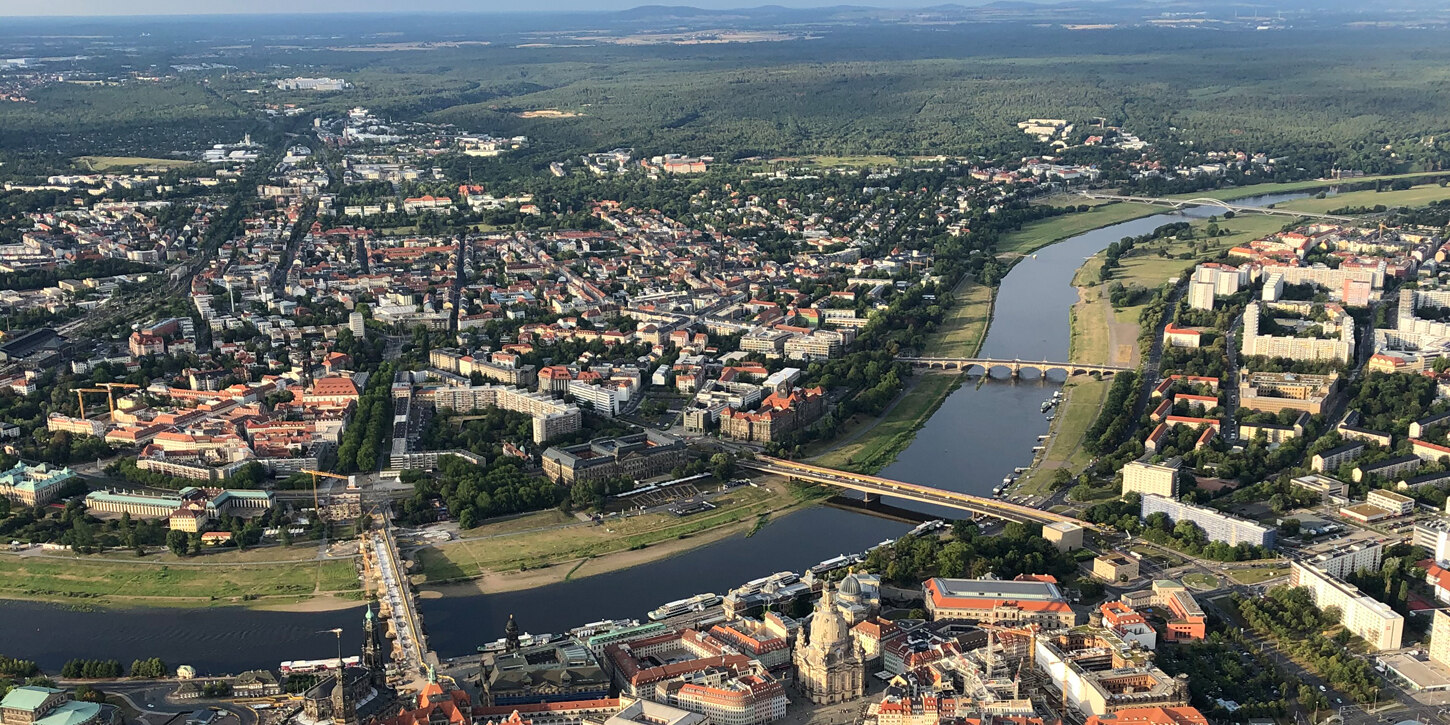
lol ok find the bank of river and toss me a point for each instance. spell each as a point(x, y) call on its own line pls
point(977, 436)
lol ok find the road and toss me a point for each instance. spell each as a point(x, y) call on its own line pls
point(150, 697)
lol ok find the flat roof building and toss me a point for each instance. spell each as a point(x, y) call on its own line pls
point(1217, 526)
point(994, 601)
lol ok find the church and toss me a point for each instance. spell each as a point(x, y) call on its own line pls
point(830, 666)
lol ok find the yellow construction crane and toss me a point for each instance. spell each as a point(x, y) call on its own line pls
point(315, 474)
point(81, 398)
point(111, 394)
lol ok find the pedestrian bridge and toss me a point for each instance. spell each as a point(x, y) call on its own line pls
point(1209, 201)
point(985, 366)
point(876, 486)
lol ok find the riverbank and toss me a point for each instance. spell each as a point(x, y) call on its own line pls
point(541, 549)
point(292, 586)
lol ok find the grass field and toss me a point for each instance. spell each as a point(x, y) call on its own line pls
point(514, 546)
point(867, 160)
point(880, 445)
point(1260, 574)
point(106, 163)
point(1041, 233)
point(1415, 196)
point(962, 331)
point(1201, 581)
point(109, 580)
point(1082, 400)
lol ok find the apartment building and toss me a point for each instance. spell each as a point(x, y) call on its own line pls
point(1144, 477)
point(551, 417)
point(1339, 347)
point(1216, 525)
point(1370, 619)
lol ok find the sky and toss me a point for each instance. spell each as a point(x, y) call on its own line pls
point(195, 7)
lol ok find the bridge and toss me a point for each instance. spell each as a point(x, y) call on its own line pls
point(1016, 367)
point(876, 486)
point(1220, 203)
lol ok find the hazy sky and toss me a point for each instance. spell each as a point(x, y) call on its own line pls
point(193, 7)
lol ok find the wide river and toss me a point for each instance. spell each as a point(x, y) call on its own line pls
point(977, 437)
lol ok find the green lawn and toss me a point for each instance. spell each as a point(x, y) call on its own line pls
point(1201, 581)
point(1416, 196)
point(965, 325)
point(1038, 234)
point(1083, 400)
point(36, 577)
point(1260, 574)
point(880, 445)
point(106, 163)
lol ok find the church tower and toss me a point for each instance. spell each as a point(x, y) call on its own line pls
point(372, 650)
point(344, 711)
point(830, 666)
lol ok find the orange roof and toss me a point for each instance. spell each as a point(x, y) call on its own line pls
point(1151, 716)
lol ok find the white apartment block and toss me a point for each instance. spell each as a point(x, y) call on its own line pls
point(1152, 478)
point(1370, 619)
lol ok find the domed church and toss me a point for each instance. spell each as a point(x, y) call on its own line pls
point(830, 667)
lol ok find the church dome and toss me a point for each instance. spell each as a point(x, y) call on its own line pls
point(850, 586)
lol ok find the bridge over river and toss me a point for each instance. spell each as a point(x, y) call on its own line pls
point(876, 486)
point(1209, 201)
point(1016, 367)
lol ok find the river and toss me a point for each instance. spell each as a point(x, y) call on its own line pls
point(977, 437)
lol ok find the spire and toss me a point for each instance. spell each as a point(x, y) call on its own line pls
point(432, 675)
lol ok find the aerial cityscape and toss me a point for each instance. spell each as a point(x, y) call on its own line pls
point(1029, 363)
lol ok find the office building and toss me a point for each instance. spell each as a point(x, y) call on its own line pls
point(1372, 620)
point(1433, 535)
point(1217, 526)
point(1099, 674)
point(1115, 567)
point(1322, 485)
point(556, 672)
point(1144, 477)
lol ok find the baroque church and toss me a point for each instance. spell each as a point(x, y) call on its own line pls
point(830, 666)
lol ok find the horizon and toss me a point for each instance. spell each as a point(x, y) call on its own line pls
point(100, 9)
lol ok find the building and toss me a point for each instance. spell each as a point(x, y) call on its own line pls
point(189, 509)
point(1372, 620)
point(1151, 716)
point(31, 705)
point(991, 601)
point(1099, 673)
point(1322, 485)
point(637, 456)
point(1343, 561)
point(574, 712)
point(1430, 452)
point(1388, 469)
point(1433, 535)
point(436, 705)
point(551, 418)
point(1120, 619)
point(1397, 504)
point(1144, 477)
point(555, 672)
point(1063, 535)
point(647, 712)
point(1115, 567)
point(1217, 526)
point(358, 325)
point(695, 671)
point(1439, 649)
point(1339, 326)
point(830, 666)
point(1187, 622)
point(1333, 458)
point(35, 485)
point(1273, 392)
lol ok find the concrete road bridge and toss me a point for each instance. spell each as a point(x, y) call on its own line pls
point(876, 486)
point(985, 366)
point(1220, 203)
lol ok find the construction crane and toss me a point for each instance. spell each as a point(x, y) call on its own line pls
point(81, 398)
point(315, 474)
point(111, 394)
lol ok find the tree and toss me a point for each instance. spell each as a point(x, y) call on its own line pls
point(722, 465)
point(176, 542)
